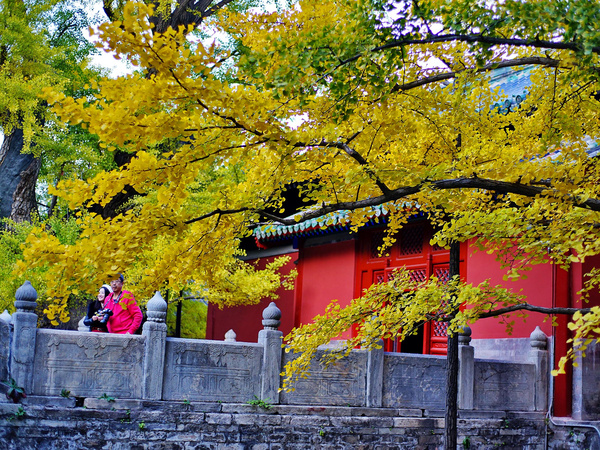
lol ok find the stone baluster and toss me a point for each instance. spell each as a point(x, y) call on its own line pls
point(155, 331)
point(271, 339)
point(24, 335)
point(466, 369)
point(539, 356)
point(375, 377)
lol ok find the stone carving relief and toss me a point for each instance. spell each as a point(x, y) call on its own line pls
point(414, 381)
point(343, 383)
point(211, 371)
point(500, 385)
point(88, 364)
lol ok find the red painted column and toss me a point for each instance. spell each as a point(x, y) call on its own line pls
point(563, 384)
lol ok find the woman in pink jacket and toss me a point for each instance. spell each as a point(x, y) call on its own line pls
point(126, 315)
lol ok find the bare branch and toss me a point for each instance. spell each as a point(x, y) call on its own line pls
point(216, 212)
point(533, 308)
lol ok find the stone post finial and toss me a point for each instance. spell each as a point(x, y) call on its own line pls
point(271, 316)
point(25, 298)
point(156, 308)
point(6, 316)
point(538, 339)
point(230, 336)
point(82, 326)
point(464, 336)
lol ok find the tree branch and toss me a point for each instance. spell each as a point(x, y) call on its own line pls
point(490, 40)
point(218, 211)
point(503, 187)
point(549, 62)
point(533, 308)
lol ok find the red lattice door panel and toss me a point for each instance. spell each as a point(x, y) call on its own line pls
point(412, 251)
point(436, 332)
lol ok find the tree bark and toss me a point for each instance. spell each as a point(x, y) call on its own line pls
point(18, 177)
point(450, 427)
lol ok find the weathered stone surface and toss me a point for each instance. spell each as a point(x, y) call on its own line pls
point(375, 376)
point(165, 427)
point(212, 370)
point(341, 383)
point(414, 381)
point(88, 364)
point(504, 386)
point(586, 381)
point(51, 402)
point(509, 349)
point(4, 349)
point(271, 341)
point(23, 347)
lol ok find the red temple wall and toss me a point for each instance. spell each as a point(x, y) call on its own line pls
point(327, 273)
point(537, 287)
point(246, 321)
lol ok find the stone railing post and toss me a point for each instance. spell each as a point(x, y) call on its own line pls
point(539, 356)
point(5, 321)
point(375, 377)
point(25, 330)
point(155, 331)
point(271, 340)
point(466, 370)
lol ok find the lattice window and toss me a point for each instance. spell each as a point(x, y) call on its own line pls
point(442, 274)
point(411, 242)
point(418, 275)
point(378, 277)
point(440, 329)
point(437, 248)
point(376, 242)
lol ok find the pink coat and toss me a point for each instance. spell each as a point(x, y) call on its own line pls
point(127, 315)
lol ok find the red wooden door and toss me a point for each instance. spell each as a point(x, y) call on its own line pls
point(413, 251)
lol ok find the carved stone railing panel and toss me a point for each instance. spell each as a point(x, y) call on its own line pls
point(88, 364)
point(341, 384)
point(504, 386)
point(212, 370)
point(414, 381)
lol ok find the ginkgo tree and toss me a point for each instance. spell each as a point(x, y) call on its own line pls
point(360, 103)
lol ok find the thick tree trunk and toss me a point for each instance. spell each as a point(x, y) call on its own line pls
point(18, 178)
point(450, 428)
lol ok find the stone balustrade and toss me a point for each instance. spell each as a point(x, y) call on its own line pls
point(154, 367)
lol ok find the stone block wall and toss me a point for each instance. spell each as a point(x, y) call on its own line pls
point(136, 424)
